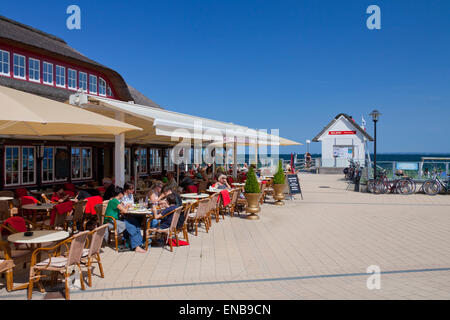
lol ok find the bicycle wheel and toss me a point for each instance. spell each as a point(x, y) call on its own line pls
point(406, 186)
point(431, 187)
point(382, 186)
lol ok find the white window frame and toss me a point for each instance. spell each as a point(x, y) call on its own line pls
point(44, 63)
point(30, 72)
point(24, 66)
point(2, 63)
point(81, 177)
point(53, 165)
point(76, 79)
point(100, 81)
point(34, 165)
point(141, 169)
point(109, 92)
point(63, 76)
point(79, 81)
point(18, 166)
point(91, 77)
point(155, 158)
point(168, 163)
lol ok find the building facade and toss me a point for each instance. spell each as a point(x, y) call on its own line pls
point(342, 139)
point(45, 65)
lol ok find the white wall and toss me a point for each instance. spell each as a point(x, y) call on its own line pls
point(329, 141)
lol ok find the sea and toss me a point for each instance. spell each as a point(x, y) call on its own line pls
point(404, 157)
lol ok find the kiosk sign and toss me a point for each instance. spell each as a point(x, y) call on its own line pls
point(337, 133)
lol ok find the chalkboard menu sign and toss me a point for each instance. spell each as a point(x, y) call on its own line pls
point(293, 184)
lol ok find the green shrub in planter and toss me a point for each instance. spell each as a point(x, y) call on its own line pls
point(251, 184)
point(278, 178)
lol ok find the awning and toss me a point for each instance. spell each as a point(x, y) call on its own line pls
point(169, 127)
point(28, 114)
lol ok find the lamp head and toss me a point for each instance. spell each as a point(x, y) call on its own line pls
point(375, 115)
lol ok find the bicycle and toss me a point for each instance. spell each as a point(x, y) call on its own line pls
point(434, 186)
point(403, 185)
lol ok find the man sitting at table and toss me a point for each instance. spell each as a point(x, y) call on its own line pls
point(186, 181)
point(165, 222)
point(172, 182)
point(115, 209)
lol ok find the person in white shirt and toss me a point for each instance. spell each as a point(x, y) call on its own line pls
point(128, 197)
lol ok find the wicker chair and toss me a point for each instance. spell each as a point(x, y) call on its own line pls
point(92, 254)
point(58, 263)
point(214, 208)
point(101, 210)
point(201, 214)
point(78, 215)
point(187, 210)
point(11, 256)
point(7, 266)
point(166, 233)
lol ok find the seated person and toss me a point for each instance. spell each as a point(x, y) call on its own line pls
point(186, 181)
point(109, 188)
point(164, 222)
point(222, 183)
point(165, 191)
point(128, 191)
point(154, 195)
point(171, 180)
point(59, 195)
point(115, 209)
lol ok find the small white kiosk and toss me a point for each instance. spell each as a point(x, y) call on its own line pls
point(342, 139)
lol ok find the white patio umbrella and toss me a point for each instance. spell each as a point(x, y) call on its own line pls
point(23, 113)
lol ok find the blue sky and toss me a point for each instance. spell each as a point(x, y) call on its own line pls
point(291, 65)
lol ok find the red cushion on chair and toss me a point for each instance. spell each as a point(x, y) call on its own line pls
point(225, 197)
point(22, 192)
point(18, 223)
point(61, 208)
point(69, 187)
point(192, 189)
point(28, 200)
point(91, 203)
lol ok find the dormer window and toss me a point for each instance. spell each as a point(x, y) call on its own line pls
point(4, 63)
point(101, 87)
point(19, 66)
point(72, 79)
point(92, 84)
point(34, 70)
point(82, 81)
point(109, 92)
point(60, 76)
point(47, 74)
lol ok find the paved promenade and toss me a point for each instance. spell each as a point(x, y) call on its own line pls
point(316, 248)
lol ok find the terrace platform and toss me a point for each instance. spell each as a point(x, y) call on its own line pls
point(316, 248)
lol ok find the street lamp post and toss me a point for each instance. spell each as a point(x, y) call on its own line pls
point(307, 145)
point(375, 116)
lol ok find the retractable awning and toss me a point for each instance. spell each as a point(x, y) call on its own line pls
point(168, 127)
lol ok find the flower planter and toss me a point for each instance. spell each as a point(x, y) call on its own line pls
point(252, 205)
point(278, 194)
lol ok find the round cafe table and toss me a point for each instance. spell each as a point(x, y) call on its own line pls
point(194, 195)
point(6, 198)
point(36, 240)
point(38, 209)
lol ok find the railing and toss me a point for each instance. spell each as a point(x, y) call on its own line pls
point(417, 170)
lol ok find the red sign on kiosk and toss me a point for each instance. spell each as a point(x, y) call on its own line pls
point(335, 133)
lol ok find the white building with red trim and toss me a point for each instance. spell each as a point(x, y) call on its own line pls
point(342, 139)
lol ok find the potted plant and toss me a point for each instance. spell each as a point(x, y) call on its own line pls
point(279, 184)
point(252, 195)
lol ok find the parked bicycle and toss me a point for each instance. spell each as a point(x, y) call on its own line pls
point(434, 186)
point(351, 171)
point(382, 185)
